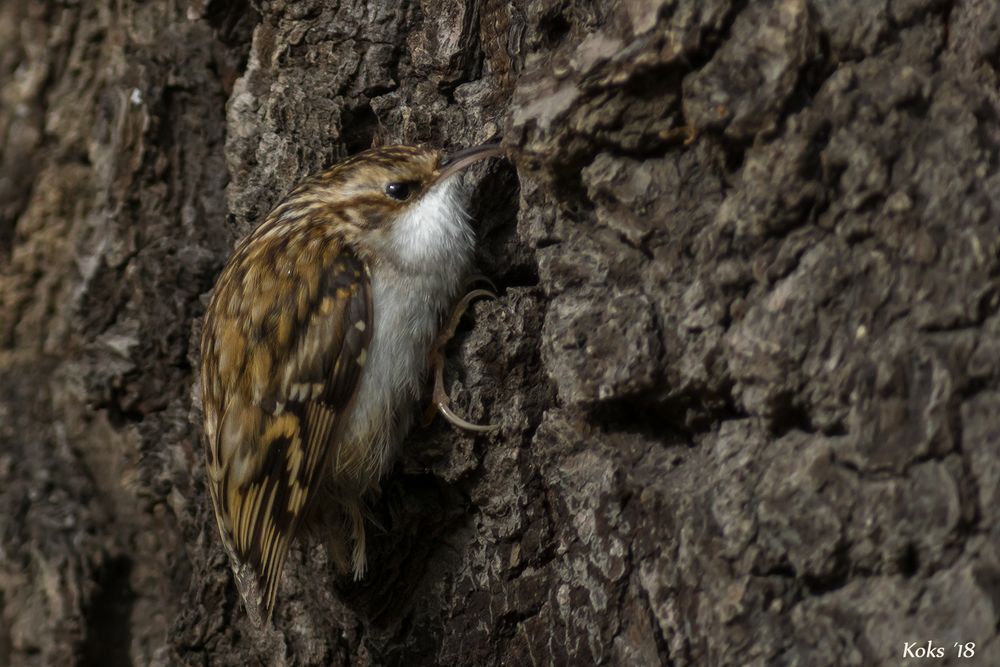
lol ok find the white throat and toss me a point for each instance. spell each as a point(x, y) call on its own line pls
point(433, 231)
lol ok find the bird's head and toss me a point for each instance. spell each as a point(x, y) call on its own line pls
point(399, 203)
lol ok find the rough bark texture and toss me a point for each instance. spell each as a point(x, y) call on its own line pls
point(746, 359)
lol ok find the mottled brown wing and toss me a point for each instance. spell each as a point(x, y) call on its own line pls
point(279, 369)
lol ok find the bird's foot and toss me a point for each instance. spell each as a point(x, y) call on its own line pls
point(439, 399)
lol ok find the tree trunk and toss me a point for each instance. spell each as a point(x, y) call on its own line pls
point(746, 358)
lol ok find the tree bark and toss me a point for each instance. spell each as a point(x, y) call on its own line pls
point(745, 358)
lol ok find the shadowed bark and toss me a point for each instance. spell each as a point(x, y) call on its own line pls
point(746, 359)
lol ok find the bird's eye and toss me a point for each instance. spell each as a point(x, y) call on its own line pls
point(399, 191)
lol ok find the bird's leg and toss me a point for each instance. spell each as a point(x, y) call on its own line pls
point(439, 399)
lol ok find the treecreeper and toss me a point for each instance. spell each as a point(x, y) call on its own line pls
point(316, 344)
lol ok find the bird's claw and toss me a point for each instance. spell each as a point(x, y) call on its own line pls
point(481, 278)
point(439, 400)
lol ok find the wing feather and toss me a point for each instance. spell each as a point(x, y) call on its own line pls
point(275, 393)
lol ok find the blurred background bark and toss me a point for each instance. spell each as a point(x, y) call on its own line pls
point(746, 359)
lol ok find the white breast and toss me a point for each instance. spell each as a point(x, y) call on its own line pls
point(429, 251)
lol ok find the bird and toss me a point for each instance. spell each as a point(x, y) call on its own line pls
point(315, 347)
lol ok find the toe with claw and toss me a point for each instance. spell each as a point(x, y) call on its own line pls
point(440, 401)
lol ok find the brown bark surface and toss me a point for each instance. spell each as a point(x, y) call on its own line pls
point(746, 358)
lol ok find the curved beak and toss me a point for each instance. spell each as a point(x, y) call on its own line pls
point(456, 162)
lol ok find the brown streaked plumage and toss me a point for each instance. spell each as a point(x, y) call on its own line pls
point(315, 344)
